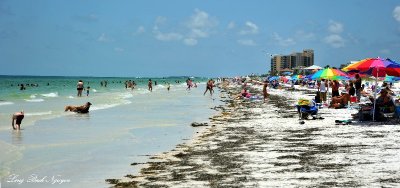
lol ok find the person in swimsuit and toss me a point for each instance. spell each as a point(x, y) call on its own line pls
point(87, 91)
point(209, 87)
point(265, 92)
point(150, 85)
point(17, 120)
point(79, 87)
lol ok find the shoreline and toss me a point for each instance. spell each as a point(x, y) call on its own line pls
point(256, 144)
point(232, 111)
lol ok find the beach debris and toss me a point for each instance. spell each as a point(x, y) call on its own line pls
point(133, 164)
point(343, 122)
point(196, 124)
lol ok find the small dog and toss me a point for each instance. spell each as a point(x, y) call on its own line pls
point(79, 109)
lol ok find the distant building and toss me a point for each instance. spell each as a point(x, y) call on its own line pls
point(294, 61)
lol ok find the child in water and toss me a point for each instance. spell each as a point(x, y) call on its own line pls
point(87, 91)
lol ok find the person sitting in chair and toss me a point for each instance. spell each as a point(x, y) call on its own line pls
point(384, 104)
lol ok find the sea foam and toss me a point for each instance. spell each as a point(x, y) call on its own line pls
point(6, 103)
point(38, 113)
point(34, 100)
point(50, 94)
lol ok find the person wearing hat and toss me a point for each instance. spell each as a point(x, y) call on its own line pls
point(17, 120)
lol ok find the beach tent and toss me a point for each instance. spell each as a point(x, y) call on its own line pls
point(313, 67)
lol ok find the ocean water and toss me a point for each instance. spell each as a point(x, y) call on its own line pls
point(65, 149)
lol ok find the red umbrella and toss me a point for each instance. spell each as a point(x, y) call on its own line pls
point(376, 67)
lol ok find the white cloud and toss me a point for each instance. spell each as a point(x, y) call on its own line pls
point(190, 41)
point(161, 20)
point(246, 42)
point(104, 38)
point(250, 28)
point(283, 42)
point(231, 25)
point(201, 24)
point(396, 13)
point(168, 36)
point(303, 36)
point(140, 30)
point(334, 40)
point(335, 27)
point(198, 33)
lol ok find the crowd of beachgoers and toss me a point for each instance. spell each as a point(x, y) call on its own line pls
point(259, 139)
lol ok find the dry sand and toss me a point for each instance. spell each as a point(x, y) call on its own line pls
point(257, 144)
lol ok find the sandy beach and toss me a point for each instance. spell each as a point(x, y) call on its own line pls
point(255, 144)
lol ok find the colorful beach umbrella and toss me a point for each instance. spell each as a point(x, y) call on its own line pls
point(329, 73)
point(376, 67)
point(296, 77)
point(391, 78)
point(272, 78)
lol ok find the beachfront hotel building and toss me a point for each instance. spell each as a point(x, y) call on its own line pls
point(291, 63)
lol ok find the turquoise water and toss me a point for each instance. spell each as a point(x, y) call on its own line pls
point(123, 126)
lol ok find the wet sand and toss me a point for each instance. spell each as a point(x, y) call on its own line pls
point(256, 144)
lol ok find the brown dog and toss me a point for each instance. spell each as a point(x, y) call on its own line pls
point(79, 109)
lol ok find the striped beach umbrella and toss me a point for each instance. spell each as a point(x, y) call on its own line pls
point(376, 67)
point(296, 77)
point(329, 73)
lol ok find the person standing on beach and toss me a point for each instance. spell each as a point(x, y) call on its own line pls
point(169, 86)
point(265, 93)
point(87, 91)
point(17, 118)
point(150, 85)
point(357, 84)
point(335, 88)
point(189, 84)
point(209, 87)
point(322, 90)
point(79, 87)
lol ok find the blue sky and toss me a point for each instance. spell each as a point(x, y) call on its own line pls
point(189, 37)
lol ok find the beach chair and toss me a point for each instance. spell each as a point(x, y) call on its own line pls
point(306, 108)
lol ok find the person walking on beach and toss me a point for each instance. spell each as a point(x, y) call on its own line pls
point(79, 87)
point(189, 84)
point(209, 87)
point(265, 93)
point(168, 87)
point(17, 120)
point(150, 85)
